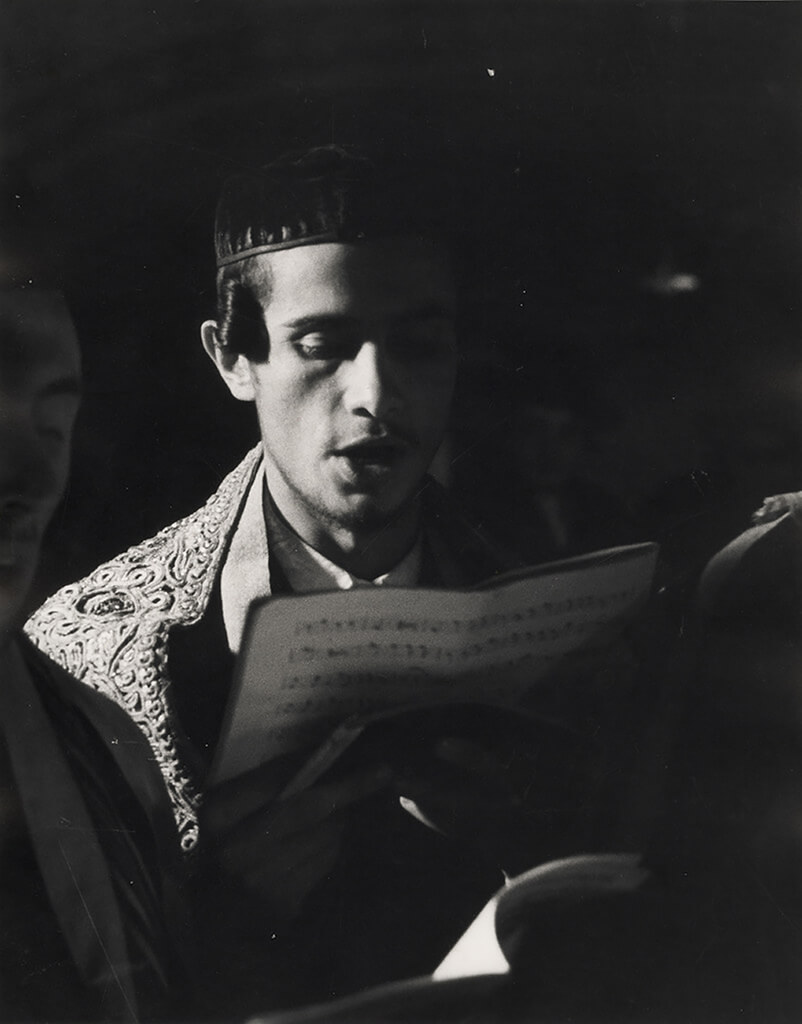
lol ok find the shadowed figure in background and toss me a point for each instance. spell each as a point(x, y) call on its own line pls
point(83, 933)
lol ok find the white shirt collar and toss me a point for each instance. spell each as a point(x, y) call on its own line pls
point(246, 572)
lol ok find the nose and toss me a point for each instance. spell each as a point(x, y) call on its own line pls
point(27, 476)
point(372, 386)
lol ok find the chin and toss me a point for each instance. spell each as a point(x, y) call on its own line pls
point(366, 515)
point(373, 512)
point(15, 581)
point(10, 609)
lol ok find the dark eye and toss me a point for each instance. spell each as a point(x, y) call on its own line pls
point(323, 346)
point(52, 433)
point(54, 418)
point(430, 340)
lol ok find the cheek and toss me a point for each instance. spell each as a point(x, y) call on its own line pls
point(297, 408)
point(61, 472)
point(432, 392)
point(33, 467)
point(58, 455)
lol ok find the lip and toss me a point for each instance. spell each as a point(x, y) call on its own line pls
point(379, 443)
point(16, 552)
point(373, 450)
point(368, 462)
point(380, 449)
point(19, 537)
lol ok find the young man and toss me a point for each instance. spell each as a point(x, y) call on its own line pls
point(336, 318)
point(82, 922)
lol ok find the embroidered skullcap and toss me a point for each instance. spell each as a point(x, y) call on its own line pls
point(325, 194)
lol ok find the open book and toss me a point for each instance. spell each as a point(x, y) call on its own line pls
point(467, 986)
point(313, 668)
point(487, 946)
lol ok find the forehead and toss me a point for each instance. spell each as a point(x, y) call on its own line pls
point(379, 277)
point(32, 358)
point(37, 344)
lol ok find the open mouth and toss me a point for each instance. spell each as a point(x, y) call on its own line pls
point(382, 448)
point(370, 460)
point(378, 453)
point(19, 539)
point(15, 553)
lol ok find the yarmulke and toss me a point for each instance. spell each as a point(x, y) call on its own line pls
point(325, 194)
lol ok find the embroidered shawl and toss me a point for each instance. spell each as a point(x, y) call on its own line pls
point(110, 630)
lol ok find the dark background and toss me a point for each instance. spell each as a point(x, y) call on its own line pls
point(609, 147)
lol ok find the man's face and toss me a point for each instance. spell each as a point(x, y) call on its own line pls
point(354, 397)
point(39, 394)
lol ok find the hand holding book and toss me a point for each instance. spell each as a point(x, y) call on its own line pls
point(311, 662)
point(276, 850)
point(469, 794)
point(491, 779)
point(505, 785)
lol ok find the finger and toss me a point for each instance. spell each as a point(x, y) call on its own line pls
point(320, 801)
point(283, 880)
point(472, 758)
point(496, 830)
point(308, 810)
point(463, 767)
point(229, 802)
point(457, 801)
point(267, 859)
point(438, 805)
point(302, 875)
point(412, 808)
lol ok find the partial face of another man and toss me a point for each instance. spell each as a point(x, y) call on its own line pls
point(354, 397)
point(39, 396)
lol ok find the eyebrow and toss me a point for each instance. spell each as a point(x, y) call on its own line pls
point(329, 321)
point(429, 311)
point(319, 322)
point(67, 386)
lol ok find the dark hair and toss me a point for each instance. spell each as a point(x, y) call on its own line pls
point(241, 328)
point(328, 193)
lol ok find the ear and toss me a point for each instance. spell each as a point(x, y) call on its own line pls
point(235, 369)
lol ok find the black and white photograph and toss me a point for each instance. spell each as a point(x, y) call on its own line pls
point(400, 511)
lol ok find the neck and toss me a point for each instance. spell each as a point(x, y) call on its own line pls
point(364, 550)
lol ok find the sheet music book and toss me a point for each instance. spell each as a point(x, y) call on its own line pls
point(486, 945)
point(312, 663)
point(469, 980)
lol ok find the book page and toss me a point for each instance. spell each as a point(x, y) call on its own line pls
point(479, 949)
point(310, 662)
